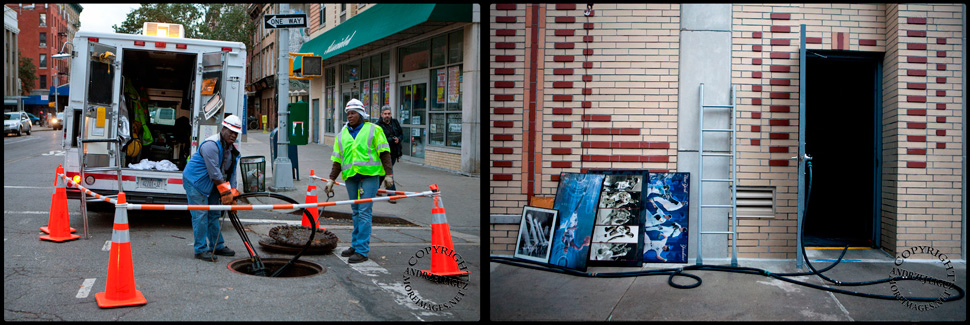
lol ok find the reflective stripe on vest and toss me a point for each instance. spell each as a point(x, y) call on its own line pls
point(356, 158)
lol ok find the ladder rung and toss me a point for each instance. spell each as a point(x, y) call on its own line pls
point(717, 232)
point(717, 154)
point(716, 206)
point(718, 106)
point(717, 130)
point(718, 180)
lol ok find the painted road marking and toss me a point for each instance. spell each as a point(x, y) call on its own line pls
point(397, 290)
point(26, 187)
point(25, 212)
point(85, 288)
point(107, 246)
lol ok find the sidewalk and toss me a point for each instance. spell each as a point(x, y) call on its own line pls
point(519, 293)
point(460, 194)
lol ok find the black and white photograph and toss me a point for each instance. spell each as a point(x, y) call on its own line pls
point(535, 234)
point(613, 251)
point(620, 200)
point(630, 217)
point(615, 234)
point(622, 183)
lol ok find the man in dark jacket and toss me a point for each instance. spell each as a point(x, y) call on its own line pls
point(394, 134)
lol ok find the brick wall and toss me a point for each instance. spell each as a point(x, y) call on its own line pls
point(443, 159)
point(928, 101)
point(602, 93)
point(921, 120)
point(595, 92)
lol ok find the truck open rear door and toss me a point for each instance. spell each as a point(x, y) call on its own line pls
point(99, 147)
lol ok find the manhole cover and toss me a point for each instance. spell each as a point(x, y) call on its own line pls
point(297, 236)
point(299, 268)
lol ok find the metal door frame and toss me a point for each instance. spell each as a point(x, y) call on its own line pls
point(803, 158)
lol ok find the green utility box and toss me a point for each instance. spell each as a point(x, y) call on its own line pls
point(298, 128)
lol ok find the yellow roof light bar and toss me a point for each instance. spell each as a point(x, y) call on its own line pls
point(163, 30)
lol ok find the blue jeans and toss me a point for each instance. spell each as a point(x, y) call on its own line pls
point(205, 224)
point(362, 212)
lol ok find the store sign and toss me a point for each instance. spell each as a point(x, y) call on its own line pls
point(338, 45)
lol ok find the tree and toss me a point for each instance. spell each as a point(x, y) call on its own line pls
point(216, 21)
point(228, 22)
point(185, 14)
point(27, 73)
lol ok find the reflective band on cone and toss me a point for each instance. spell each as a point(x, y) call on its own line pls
point(120, 283)
point(59, 223)
point(311, 197)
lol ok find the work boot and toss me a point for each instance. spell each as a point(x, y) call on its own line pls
point(206, 256)
point(225, 251)
point(348, 252)
point(357, 258)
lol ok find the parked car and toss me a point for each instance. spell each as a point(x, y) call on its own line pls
point(34, 120)
point(17, 122)
point(57, 122)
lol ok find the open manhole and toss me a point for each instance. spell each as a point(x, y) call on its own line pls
point(299, 268)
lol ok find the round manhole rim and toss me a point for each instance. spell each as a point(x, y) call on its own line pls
point(279, 262)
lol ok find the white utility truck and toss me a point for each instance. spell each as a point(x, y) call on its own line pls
point(141, 104)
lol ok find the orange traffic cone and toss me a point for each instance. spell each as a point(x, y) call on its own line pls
point(444, 259)
point(120, 289)
point(59, 223)
point(311, 197)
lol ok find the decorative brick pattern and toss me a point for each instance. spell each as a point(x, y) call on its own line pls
point(606, 97)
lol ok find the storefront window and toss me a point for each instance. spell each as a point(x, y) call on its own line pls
point(350, 71)
point(373, 84)
point(331, 81)
point(439, 47)
point(414, 57)
point(455, 46)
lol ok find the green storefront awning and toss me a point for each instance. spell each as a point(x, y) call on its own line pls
point(378, 22)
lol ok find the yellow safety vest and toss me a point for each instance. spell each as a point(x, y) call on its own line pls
point(360, 155)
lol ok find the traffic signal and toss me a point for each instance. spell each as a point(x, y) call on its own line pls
point(312, 66)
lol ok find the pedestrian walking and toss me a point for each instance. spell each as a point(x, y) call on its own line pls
point(210, 178)
point(394, 134)
point(361, 155)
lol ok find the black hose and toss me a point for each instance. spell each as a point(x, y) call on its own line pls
point(675, 272)
point(313, 225)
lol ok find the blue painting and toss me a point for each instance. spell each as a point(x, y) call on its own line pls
point(576, 201)
point(665, 227)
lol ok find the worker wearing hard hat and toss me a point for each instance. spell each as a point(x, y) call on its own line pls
point(361, 155)
point(210, 178)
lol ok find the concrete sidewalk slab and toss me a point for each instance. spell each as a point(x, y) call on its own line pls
point(519, 293)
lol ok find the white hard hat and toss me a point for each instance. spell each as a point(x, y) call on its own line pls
point(233, 123)
point(356, 105)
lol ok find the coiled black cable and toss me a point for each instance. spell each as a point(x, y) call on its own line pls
point(306, 214)
point(675, 272)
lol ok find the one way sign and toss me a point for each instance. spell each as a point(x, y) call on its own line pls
point(285, 21)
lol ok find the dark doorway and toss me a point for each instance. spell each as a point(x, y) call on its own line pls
point(843, 135)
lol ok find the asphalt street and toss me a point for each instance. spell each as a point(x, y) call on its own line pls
point(57, 281)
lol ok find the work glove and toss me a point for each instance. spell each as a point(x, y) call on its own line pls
point(328, 188)
point(388, 181)
point(228, 193)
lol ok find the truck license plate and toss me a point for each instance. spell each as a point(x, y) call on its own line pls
point(151, 183)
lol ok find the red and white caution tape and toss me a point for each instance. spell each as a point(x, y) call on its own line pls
point(131, 206)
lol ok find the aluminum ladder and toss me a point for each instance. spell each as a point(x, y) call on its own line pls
point(733, 180)
point(82, 158)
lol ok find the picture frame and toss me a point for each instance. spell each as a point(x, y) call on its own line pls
point(618, 229)
point(665, 228)
point(577, 198)
point(534, 242)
